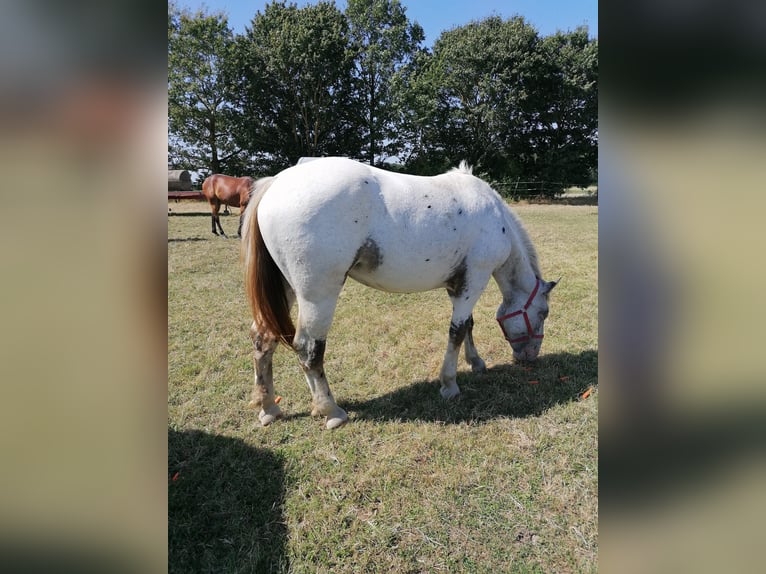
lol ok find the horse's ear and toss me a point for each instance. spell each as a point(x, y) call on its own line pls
point(549, 285)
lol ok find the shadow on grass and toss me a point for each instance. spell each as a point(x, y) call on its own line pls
point(181, 239)
point(224, 505)
point(503, 391)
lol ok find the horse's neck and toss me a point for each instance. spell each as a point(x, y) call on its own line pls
point(518, 273)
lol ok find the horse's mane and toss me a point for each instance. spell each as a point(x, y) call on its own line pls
point(462, 168)
point(525, 241)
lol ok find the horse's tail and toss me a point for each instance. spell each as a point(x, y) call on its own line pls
point(264, 283)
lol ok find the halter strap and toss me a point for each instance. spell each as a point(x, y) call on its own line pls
point(523, 311)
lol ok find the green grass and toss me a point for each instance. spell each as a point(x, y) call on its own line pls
point(502, 480)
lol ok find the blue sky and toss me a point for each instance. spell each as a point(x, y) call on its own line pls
point(547, 16)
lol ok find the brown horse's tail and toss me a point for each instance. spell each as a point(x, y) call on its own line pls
point(264, 283)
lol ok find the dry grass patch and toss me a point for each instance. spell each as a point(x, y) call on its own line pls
point(502, 480)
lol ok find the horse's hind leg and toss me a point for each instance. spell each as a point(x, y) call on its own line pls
point(263, 391)
point(215, 206)
point(309, 343)
point(213, 215)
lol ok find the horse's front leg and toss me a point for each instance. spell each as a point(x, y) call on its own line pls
point(464, 293)
point(218, 222)
point(448, 375)
point(263, 391)
point(471, 354)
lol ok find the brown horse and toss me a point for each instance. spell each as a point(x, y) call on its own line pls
point(226, 190)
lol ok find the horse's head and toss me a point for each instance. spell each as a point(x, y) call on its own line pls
point(523, 321)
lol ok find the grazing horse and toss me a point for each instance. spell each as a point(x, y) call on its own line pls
point(313, 225)
point(225, 190)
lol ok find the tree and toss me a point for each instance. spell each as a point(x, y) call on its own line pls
point(294, 84)
point(511, 103)
point(564, 135)
point(480, 77)
point(201, 117)
point(383, 40)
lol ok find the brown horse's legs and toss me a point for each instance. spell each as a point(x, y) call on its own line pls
point(241, 216)
point(215, 205)
point(263, 391)
point(212, 219)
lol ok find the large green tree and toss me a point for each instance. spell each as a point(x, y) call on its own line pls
point(201, 117)
point(295, 84)
point(513, 104)
point(383, 40)
point(563, 134)
point(482, 76)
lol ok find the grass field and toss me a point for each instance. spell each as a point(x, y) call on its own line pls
point(504, 479)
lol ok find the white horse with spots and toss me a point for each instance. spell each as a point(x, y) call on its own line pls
point(313, 225)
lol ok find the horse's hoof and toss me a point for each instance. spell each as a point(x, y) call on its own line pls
point(336, 421)
point(267, 418)
point(449, 392)
point(478, 366)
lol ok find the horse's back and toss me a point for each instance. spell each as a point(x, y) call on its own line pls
point(391, 231)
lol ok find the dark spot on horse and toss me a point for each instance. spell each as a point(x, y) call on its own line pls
point(460, 211)
point(311, 354)
point(365, 181)
point(428, 260)
point(466, 298)
point(503, 229)
point(454, 229)
point(457, 332)
point(457, 281)
point(429, 207)
point(426, 196)
point(357, 221)
point(368, 256)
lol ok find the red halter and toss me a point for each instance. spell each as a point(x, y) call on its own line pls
point(523, 311)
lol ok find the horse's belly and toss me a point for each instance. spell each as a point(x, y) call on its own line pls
point(402, 278)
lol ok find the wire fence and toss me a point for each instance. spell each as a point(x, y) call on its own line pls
point(518, 188)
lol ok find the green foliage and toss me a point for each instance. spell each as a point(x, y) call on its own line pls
point(315, 81)
point(383, 40)
point(201, 117)
point(294, 83)
point(564, 138)
point(513, 104)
